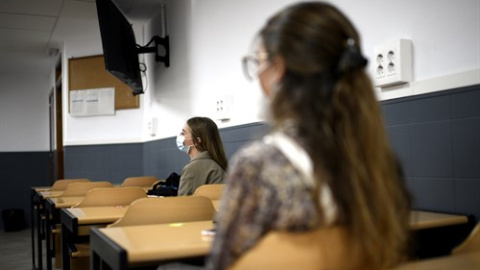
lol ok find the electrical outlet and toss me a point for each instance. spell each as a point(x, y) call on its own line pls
point(379, 66)
point(152, 126)
point(393, 63)
point(223, 109)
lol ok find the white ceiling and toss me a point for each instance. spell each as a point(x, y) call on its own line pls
point(30, 29)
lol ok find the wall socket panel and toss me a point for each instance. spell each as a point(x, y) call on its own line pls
point(393, 63)
point(223, 107)
point(152, 126)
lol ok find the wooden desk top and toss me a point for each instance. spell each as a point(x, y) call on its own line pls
point(95, 215)
point(423, 220)
point(162, 241)
point(50, 194)
point(154, 243)
point(64, 202)
point(41, 188)
point(470, 261)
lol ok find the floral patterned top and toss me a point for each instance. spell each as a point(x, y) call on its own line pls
point(263, 192)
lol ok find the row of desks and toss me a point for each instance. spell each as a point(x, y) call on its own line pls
point(130, 247)
point(45, 209)
point(125, 247)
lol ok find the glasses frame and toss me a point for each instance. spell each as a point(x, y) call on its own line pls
point(251, 65)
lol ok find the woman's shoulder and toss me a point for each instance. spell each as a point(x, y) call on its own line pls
point(256, 156)
point(254, 151)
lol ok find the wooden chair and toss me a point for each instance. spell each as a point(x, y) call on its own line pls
point(471, 243)
point(212, 191)
point(324, 248)
point(77, 189)
point(97, 197)
point(116, 196)
point(167, 210)
point(139, 181)
point(80, 189)
point(62, 184)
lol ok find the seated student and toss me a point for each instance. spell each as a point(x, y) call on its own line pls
point(326, 161)
point(201, 140)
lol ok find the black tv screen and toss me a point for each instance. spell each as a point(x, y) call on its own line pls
point(119, 45)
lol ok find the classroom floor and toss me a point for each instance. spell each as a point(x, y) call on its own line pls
point(16, 250)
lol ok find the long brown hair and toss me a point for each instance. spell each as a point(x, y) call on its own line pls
point(330, 98)
point(206, 130)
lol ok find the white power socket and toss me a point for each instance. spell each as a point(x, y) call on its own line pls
point(393, 63)
point(152, 126)
point(223, 107)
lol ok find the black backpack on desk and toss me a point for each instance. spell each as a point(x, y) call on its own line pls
point(168, 188)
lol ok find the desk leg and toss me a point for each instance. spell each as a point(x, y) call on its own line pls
point(65, 248)
point(32, 218)
point(48, 237)
point(39, 234)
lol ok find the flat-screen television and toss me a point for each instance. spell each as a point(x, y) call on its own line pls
point(119, 45)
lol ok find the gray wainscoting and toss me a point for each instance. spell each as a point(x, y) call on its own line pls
point(437, 137)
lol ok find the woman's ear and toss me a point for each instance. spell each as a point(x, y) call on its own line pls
point(199, 140)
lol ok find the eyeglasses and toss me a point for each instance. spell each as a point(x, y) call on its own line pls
point(252, 67)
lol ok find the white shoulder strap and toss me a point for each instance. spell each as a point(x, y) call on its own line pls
point(300, 160)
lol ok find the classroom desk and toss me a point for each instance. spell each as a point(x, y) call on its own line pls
point(52, 217)
point(435, 234)
point(426, 220)
point(124, 247)
point(470, 261)
point(38, 195)
point(76, 222)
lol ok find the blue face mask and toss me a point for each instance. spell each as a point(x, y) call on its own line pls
point(181, 146)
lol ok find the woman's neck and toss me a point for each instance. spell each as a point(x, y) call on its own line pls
point(193, 152)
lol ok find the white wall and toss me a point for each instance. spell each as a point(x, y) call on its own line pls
point(445, 35)
point(169, 97)
point(208, 39)
point(24, 112)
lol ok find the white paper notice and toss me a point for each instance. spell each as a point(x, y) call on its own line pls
point(92, 102)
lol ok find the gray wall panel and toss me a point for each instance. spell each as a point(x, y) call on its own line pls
point(400, 139)
point(466, 104)
point(434, 194)
point(467, 196)
point(442, 161)
point(466, 147)
point(430, 109)
point(19, 171)
point(432, 150)
point(397, 113)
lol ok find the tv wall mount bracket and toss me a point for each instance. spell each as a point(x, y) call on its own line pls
point(161, 49)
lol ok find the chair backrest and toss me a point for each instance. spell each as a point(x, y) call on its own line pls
point(62, 184)
point(81, 189)
point(116, 196)
point(211, 191)
point(324, 248)
point(167, 210)
point(471, 243)
point(139, 181)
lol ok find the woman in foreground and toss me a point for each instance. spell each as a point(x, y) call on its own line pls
point(327, 160)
